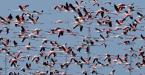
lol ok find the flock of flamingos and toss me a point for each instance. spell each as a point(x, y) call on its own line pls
point(79, 45)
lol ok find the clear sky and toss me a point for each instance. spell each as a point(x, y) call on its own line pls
point(46, 22)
